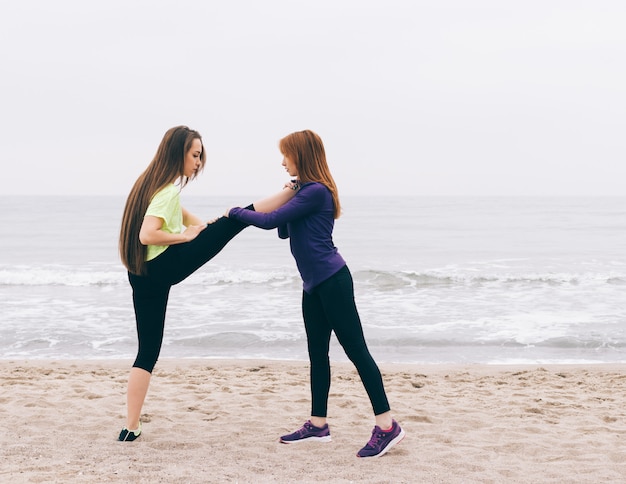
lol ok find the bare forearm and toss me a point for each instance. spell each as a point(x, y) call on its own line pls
point(271, 203)
point(191, 219)
point(160, 237)
point(151, 233)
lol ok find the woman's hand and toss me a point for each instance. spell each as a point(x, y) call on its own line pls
point(293, 185)
point(192, 231)
point(151, 233)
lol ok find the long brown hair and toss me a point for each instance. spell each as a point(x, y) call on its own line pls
point(306, 150)
point(167, 166)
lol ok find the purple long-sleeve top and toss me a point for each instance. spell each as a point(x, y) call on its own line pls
point(308, 221)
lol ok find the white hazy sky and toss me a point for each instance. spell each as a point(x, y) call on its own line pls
point(433, 97)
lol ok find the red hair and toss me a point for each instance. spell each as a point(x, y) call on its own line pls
point(306, 150)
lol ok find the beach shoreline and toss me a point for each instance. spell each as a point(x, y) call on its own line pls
point(210, 420)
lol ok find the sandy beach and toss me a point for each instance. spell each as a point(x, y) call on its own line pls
point(219, 421)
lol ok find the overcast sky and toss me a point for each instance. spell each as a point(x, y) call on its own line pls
point(458, 97)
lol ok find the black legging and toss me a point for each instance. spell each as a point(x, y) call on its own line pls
point(330, 308)
point(150, 292)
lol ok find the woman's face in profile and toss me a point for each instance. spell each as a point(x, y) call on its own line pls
point(290, 166)
point(193, 161)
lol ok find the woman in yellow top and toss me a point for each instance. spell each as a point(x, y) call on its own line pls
point(161, 244)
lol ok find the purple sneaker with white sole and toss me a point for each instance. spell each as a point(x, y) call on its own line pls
point(382, 441)
point(308, 432)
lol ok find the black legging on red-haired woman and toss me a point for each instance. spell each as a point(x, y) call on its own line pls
point(330, 307)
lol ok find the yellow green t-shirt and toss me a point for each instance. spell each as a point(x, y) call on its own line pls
point(165, 204)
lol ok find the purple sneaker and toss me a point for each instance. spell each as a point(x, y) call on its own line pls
point(308, 432)
point(381, 442)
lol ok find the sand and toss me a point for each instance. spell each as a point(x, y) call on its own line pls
point(219, 421)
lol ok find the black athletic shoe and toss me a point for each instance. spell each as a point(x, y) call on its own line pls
point(129, 435)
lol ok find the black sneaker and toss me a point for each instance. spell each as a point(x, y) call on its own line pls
point(129, 435)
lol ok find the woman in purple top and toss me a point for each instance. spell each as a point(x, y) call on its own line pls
point(328, 296)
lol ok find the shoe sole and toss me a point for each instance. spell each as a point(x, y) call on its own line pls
point(308, 439)
point(395, 441)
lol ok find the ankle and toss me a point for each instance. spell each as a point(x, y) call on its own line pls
point(318, 422)
point(384, 421)
point(136, 426)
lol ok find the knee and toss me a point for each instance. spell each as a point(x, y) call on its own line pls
point(318, 356)
point(146, 361)
point(358, 353)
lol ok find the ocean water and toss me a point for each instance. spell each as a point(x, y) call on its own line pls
point(437, 280)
